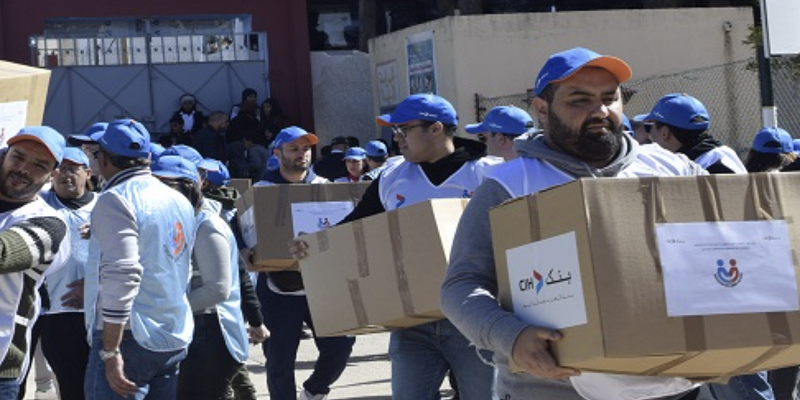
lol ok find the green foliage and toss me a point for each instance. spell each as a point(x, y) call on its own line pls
point(788, 63)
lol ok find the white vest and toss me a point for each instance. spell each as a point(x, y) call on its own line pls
point(229, 311)
point(403, 183)
point(75, 267)
point(11, 285)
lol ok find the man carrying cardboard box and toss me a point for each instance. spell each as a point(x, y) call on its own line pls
point(579, 104)
point(432, 166)
point(282, 295)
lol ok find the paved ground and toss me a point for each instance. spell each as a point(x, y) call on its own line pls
point(367, 376)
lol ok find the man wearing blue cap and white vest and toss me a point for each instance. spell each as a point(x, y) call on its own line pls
point(377, 153)
point(144, 233)
point(579, 105)
point(283, 296)
point(500, 127)
point(63, 333)
point(34, 243)
point(680, 125)
point(435, 164)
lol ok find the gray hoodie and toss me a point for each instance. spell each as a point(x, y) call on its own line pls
point(469, 291)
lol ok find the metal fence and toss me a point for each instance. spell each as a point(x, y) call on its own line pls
point(730, 92)
point(150, 49)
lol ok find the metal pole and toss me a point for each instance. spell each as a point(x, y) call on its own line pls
point(769, 113)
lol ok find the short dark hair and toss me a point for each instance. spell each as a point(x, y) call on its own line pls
point(122, 162)
point(757, 161)
point(377, 159)
point(687, 137)
point(548, 93)
point(188, 189)
point(449, 129)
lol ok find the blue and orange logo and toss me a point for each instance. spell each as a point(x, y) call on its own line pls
point(178, 239)
point(539, 281)
point(467, 194)
point(729, 277)
point(400, 200)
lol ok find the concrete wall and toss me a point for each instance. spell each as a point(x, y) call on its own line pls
point(342, 95)
point(501, 54)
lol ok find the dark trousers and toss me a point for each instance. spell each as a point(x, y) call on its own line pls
point(208, 369)
point(284, 316)
point(67, 351)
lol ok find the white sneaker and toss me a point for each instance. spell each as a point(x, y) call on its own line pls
point(305, 395)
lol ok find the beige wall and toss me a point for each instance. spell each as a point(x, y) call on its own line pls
point(497, 55)
point(342, 96)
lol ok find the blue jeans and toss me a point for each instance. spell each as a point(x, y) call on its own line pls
point(744, 387)
point(155, 373)
point(284, 316)
point(9, 389)
point(422, 355)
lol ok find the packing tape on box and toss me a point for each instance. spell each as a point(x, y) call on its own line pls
point(361, 249)
point(358, 302)
point(655, 213)
point(283, 210)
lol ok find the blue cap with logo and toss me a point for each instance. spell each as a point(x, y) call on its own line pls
point(190, 154)
point(682, 111)
point(773, 140)
point(176, 167)
point(127, 138)
point(426, 107)
point(355, 153)
point(219, 177)
point(504, 119)
point(561, 66)
point(44, 135)
point(292, 133)
point(376, 148)
point(77, 156)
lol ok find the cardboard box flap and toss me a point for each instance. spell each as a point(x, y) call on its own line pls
point(23, 92)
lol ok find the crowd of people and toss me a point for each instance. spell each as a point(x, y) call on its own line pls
point(124, 253)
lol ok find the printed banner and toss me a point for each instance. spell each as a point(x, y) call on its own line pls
point(421, 63)
point(388, 88)
point(727, 267)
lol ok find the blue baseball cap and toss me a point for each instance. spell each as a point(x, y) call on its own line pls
point(77, 156)
point(682, 111)
point(177, 167)
point(292, 133)
point(273, 163)
point(504, 119)
point(189, 153)
point(796, 145)
point(44, 135)
point(156, 150)
point(639, 118)
point(561, 66)
point(376, 148)
point(426, 107)
point(773, 140)
point(127, 138)
point(219, 177)
point(91, 135)
point(355, 153)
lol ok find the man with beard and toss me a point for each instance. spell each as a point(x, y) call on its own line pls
point(33, 242)
point(680, 125)
point(61, 325)
point(283, 300)
point(579, 104)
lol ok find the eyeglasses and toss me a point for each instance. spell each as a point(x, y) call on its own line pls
point(95, 153)
point(482, 138)
point(648, 127)
point(403, 130)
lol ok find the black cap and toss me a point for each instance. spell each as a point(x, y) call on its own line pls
point(339, 140)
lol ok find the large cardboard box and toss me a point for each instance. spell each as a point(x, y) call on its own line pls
point(23, 91)
point(383, 271)
point(267, 221)
point(631, 290)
